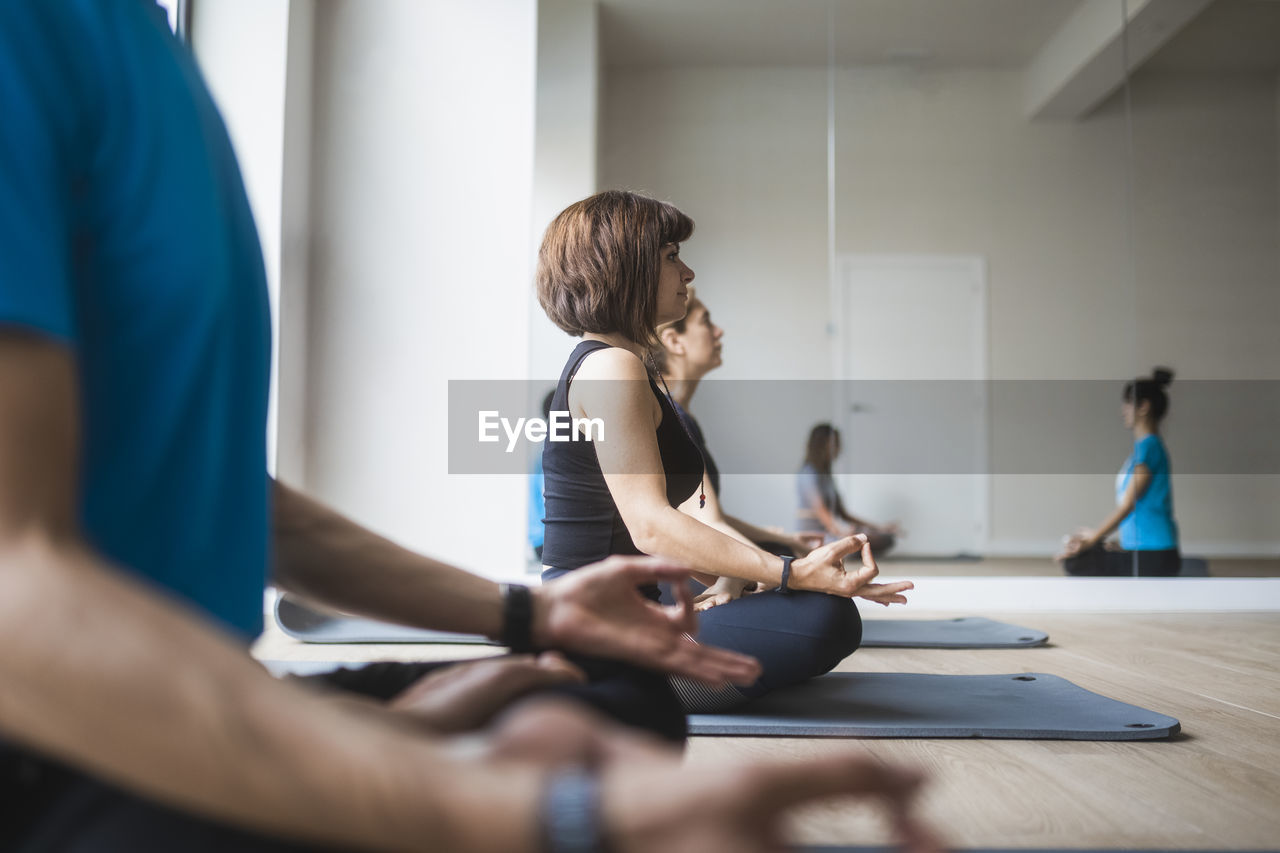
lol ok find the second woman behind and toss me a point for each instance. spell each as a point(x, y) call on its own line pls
point(609, 270)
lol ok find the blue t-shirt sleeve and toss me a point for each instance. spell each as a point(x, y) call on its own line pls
point(1149, 452)
point(35, 180)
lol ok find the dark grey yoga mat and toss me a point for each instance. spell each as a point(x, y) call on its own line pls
point(900, 704)
point(962, 632)
point(311, 626)
point(967, 632)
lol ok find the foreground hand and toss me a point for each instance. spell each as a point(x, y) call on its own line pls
point(722, 591)
point(599, 610)
point(823, 571)
point(742, 806)
point(465, 696)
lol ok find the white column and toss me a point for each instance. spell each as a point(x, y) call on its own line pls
point(420, 266)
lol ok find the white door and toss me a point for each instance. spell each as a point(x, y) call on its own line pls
point(912, 339)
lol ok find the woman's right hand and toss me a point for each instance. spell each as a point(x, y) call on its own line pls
point(823, 571)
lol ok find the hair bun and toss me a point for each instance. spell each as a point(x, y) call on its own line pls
point(1162, 376)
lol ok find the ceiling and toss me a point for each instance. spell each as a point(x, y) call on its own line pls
point(1230, 35)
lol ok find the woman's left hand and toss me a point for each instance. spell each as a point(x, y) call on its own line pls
point(1081, 540)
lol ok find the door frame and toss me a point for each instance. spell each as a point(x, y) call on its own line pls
point(841, 349)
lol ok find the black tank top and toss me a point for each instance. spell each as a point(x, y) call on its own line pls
point(582, 522)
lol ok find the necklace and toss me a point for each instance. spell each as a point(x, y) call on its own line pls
point(702, 481)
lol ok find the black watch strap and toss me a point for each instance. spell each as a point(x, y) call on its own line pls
point(517, 617)
point(571, 813)
point(786, 575)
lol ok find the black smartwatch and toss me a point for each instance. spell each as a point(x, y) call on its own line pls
point(571, 813)
point(517, 617)
point(786, 575)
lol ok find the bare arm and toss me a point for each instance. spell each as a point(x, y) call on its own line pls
point(612, 384)
point(828, 521)
point(713, 515)
point(329, 558)
point(1138, 485)
point(595, 610)
point(94, 660)
point(723, 588)
point(760, 534)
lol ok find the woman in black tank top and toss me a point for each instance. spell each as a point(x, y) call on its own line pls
point(609, 271)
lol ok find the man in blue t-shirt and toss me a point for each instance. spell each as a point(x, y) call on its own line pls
point(137, 521)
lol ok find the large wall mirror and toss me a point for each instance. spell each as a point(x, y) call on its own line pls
point(951, 229)
point(954, 230)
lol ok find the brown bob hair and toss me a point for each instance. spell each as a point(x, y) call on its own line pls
point(599, 264)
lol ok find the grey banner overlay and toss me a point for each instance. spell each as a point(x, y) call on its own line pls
point(1068, 427)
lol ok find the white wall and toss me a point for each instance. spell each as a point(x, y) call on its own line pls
point(292, 308)
point(945, 162)
point(420, 260)
point(566, 138)
point(241, 46)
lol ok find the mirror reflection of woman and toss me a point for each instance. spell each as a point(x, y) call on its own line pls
point(1144, 497)
point(609, 270)
point(821, 508)
point(691, 348)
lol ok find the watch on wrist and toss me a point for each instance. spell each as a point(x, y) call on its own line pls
point(517, 617)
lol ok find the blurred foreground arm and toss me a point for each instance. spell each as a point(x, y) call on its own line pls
point(596, 610)
point(93, 660)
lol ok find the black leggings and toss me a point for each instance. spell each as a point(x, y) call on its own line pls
point(46, 807)
point(1100, 562)
point(795, 636)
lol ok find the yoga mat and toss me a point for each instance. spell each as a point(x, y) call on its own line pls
point(968, 632)
point(901, 704)
point(964, 632)
point(312, 626)
point(1194, 567)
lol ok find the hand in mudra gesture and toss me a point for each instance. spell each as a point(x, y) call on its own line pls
point(823, 570)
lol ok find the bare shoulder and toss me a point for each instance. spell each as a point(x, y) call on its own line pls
point(612, 363)
point(611, 382)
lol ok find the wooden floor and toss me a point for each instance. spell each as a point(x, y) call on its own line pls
point(1214, 786)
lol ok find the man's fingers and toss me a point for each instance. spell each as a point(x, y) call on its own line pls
point(681, 615)
point(887, 588)
point(842, 548)
point(868, 558)
point(714, 666)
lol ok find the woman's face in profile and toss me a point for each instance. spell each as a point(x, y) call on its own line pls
point(673, 278)
point(701, 337)
point(1127, 414)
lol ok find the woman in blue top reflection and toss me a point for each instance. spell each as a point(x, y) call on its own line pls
point(1144, 497)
